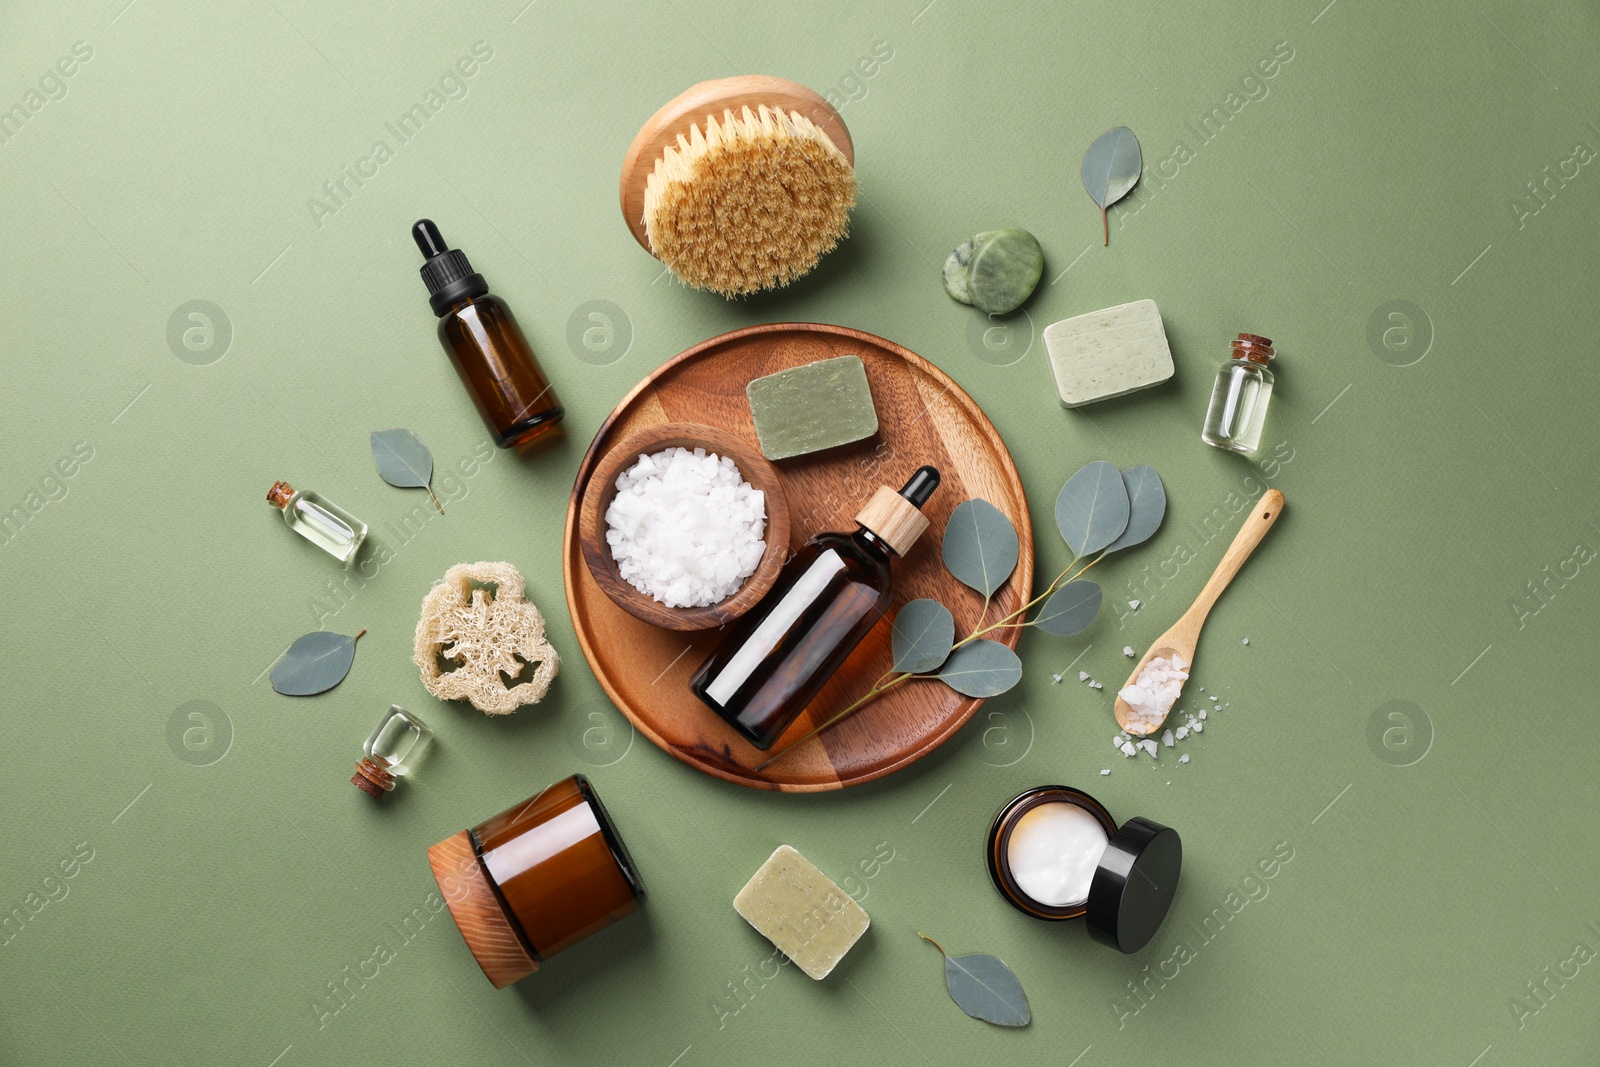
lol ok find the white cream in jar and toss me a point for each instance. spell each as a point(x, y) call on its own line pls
point(1054, 851)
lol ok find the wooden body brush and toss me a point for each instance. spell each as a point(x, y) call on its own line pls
point(740, 184)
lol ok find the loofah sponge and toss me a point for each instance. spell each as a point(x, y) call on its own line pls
point(749, 203)
point(492, 635)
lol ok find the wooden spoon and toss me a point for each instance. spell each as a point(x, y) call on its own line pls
point(1184, 635)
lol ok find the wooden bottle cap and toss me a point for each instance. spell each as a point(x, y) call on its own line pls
point(477, 911)
point(893, 518)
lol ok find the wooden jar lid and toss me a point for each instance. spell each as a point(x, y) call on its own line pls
point(710, 99)
point(477, 911)
point(895, 519)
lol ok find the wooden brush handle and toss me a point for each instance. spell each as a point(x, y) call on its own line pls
point(1262, 515)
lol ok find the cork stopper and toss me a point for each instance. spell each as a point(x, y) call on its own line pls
point(477, 911)
point(897, 518)
point(1253, 347)
point(279, 495)
point(372, 777)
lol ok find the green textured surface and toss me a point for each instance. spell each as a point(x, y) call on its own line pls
point(807, 409)
point(1387, 159)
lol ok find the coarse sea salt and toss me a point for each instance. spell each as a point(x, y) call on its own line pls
point(685, 528)
point(1151, 695)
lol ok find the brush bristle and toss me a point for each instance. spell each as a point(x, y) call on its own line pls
point(752, 203)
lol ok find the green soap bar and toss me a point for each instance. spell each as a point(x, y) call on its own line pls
point(806, 409)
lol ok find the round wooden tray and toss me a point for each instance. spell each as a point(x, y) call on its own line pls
point(923, 417)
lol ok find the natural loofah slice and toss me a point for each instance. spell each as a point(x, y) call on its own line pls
point(492, 635)
point(751, 202)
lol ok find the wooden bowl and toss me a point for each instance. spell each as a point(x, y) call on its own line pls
point(602, 489)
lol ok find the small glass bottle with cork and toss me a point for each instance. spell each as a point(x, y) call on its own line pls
point(391, 751)
point(322, 522)
point(1239, 398)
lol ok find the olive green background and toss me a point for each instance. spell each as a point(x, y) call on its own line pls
point(1437, 455)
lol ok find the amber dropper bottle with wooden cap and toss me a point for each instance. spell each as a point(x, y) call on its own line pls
point(482, 339)
point(777, 657)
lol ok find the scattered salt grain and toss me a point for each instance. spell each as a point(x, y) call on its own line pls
point(1133, 605)
point(1184, 758)
point(1181, 733)
point(1128, 749)
point(1096, 685)
point(685, 528)
point(1246, 641)
point(1106, 771)
point(1202, 713)
point(1083, 676)
point(1166, 738)
point(1151, 695)
point(1149, 746)
point(1127, 650)
point(1198, 727)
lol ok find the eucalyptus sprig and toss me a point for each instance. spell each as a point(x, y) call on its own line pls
point(1099, 511)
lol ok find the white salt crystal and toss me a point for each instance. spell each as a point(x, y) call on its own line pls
point(1133, 605)
point(1166, 738)
point(1199, 726)
point(1184, 758)
point(1247, 640)
point(1127, 650)
point(1150, 696)
point(1083, 676)
point(1106, 771)
point(1202, 713)
point(1056, 679)
point(685, 528)
point(1149, 746)
point(1096, 685)
point(1128, 749)
point(1182, 732)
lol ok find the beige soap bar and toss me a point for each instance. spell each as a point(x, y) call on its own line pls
point(1108, 353)
point(797, 908)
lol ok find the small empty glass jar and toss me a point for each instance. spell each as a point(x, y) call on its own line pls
point(322, 522)
point(1239, 398)
point(536, 879)
point(391, 751)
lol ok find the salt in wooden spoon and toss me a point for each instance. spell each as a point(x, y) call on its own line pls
point(1184, 635)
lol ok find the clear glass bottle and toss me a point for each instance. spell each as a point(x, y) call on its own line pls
point(1239, 399)
point(323, 523)
point(391, 751)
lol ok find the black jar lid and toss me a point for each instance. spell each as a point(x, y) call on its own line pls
point(1134, 885)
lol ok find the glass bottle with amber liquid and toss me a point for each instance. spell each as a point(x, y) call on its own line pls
point(484, 342)
point(776, 658)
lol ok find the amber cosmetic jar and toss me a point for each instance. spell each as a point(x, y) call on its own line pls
point(1134, 878)
point(535, 879)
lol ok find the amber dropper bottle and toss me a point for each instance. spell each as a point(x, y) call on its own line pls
point(492, 357)
point(777, 657)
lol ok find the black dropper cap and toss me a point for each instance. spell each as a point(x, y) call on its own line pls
point(447, 274)
point(921, 486)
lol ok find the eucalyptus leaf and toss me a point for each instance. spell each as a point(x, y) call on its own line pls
point(1092, 510)
point(315, 663)
point(924, 630)
point(984, 987)
point(1111, 169)
point(1070, 609)
point(1147, 506)
point(981, 669)
point(404, 461)
point(980, 546)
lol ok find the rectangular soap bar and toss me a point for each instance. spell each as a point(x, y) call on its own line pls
point(797, 908)
point(1108, 353)
point(806, 409)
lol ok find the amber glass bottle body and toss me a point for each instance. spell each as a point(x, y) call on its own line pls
point(499, 370)
point(776, 658)
point(559, 866)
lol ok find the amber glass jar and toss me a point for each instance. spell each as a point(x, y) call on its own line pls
point(536, 879)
